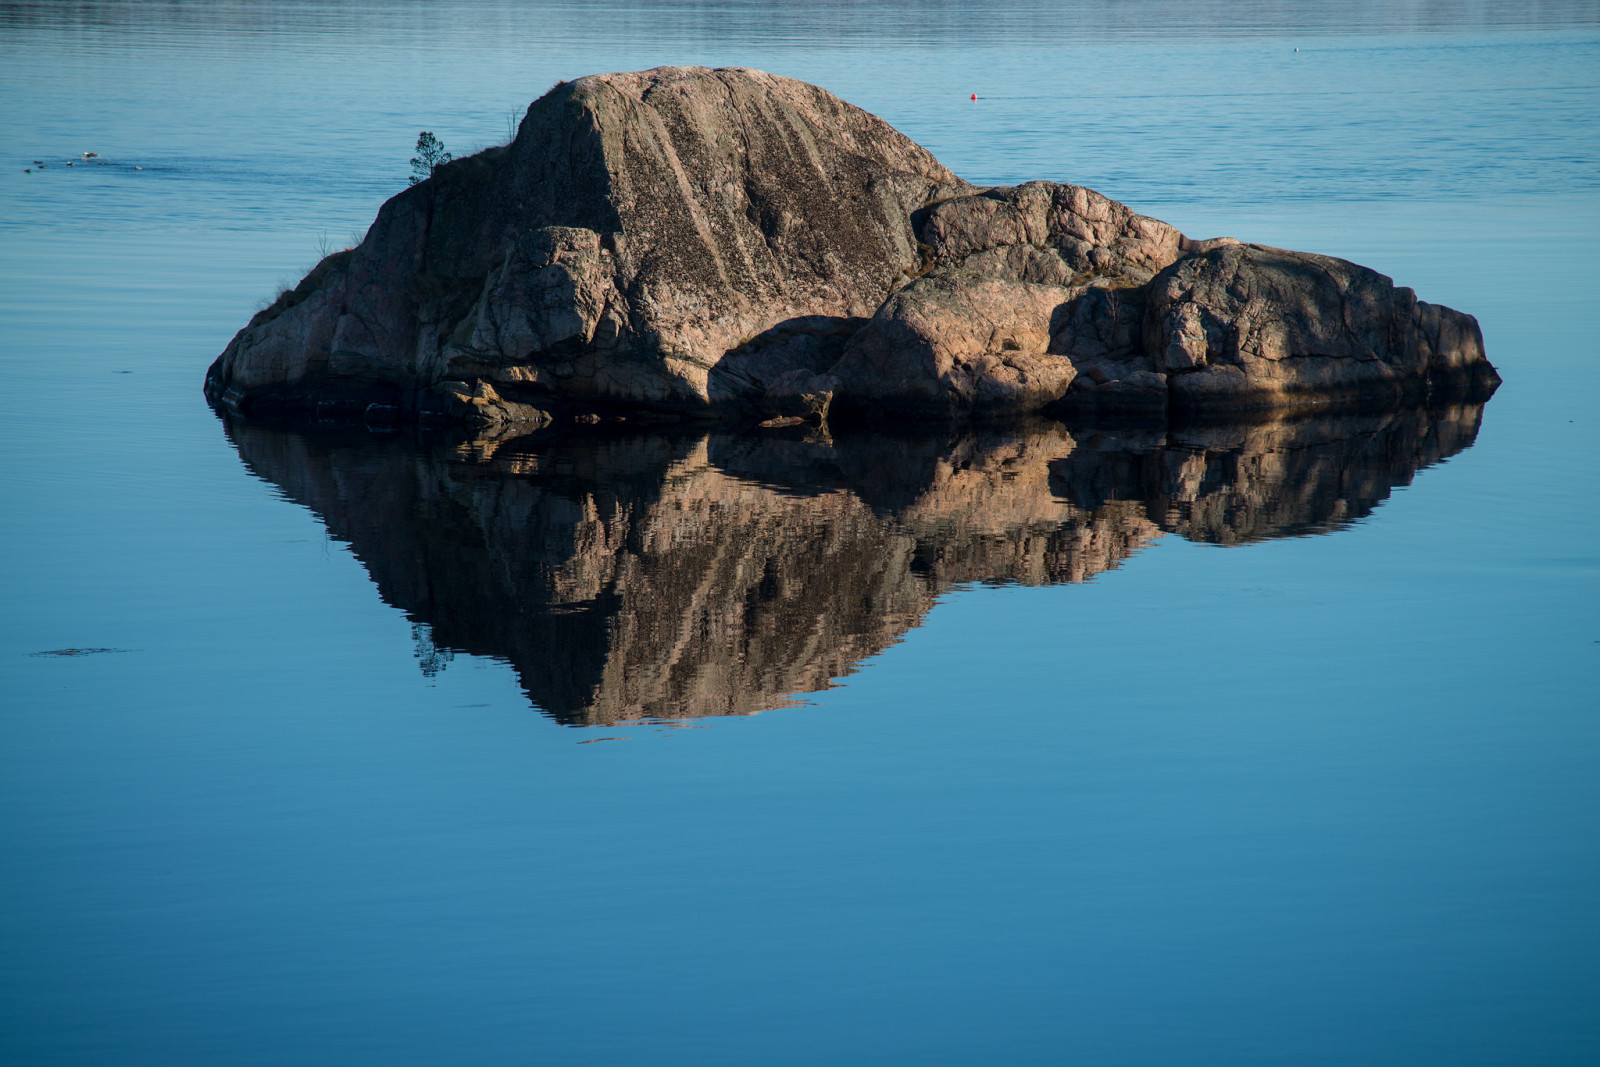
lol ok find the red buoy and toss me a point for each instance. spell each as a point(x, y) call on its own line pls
point(974, 96)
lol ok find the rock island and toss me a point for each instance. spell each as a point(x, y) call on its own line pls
point(728, 244)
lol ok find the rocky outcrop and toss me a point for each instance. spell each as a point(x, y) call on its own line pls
point(955, 342)
point(632, 576)
point(732, 244)
point(1240, 327)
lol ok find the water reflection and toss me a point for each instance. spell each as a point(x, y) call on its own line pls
point(632, 576)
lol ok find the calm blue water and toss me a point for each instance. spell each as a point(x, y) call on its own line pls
point(1321, 798)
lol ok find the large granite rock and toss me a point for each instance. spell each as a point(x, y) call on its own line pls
point(638, 229)
point(730, 243)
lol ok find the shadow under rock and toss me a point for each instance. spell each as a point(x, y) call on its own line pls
point(641, 576)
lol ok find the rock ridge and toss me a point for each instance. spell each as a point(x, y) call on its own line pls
point(730, 244)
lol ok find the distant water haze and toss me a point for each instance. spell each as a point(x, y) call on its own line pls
point(1151, 103)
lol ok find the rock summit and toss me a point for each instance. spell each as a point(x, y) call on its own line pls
point(731, 244)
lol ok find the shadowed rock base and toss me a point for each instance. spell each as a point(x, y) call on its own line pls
point(637, 576)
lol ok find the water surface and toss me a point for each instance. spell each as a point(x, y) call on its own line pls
point(1274, 745)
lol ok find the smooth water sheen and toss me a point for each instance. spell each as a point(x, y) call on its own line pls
point(1270, 745)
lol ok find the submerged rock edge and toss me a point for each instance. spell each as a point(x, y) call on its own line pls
point(732, 245)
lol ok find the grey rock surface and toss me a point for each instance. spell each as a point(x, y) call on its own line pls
point(728, 243)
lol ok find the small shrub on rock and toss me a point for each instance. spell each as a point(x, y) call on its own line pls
point(430, 155)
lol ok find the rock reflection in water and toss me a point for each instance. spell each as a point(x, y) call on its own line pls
point(634, 576)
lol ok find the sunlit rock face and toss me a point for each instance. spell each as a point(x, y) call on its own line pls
point(685, 242)
point(639, 576)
